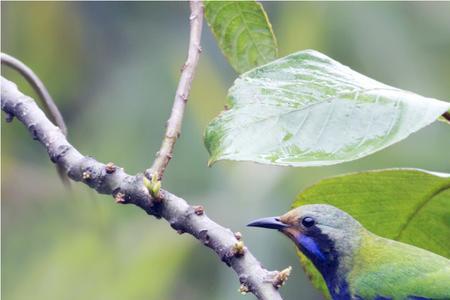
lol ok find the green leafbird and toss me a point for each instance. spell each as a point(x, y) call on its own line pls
point(357, 264)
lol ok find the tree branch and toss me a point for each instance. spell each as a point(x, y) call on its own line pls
point(109, 179)
point(173, 129)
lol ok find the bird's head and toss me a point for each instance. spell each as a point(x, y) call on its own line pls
point(327, 235)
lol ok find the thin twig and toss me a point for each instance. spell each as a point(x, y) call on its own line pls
point(173, 129)
point(110, 179)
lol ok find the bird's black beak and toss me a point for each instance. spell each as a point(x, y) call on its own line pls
point(271, 222)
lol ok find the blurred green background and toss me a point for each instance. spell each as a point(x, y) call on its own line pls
point(113, 68)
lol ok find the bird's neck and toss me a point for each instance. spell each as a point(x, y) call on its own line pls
point(328, 258)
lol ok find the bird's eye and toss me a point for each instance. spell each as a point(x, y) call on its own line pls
point(308, 222)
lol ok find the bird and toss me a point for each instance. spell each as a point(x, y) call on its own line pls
point(357, 264)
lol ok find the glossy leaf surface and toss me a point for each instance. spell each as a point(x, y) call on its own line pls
point(307, 109)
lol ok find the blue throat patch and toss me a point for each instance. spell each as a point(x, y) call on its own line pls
point(319, 248)
point(310, 245)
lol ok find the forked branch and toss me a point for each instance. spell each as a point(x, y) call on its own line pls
point(110, 179)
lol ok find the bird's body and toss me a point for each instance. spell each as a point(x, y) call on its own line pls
point(390, 269)
point(357, 264)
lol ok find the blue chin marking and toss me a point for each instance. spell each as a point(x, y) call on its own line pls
point(310, 245)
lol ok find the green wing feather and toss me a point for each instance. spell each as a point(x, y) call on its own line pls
point(396, 270)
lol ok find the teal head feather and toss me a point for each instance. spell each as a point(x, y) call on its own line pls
point(357, 264)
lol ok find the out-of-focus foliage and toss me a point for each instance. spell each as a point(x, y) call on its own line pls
point(411, 206)
point(243, 32)
point(307, 109)
point(112, 70)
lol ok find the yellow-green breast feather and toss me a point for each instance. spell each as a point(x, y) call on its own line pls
point(386, 268)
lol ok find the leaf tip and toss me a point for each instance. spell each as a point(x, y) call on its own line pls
point(211, 162)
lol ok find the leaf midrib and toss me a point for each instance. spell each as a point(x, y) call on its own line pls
point(248, 30)
point(421, 206)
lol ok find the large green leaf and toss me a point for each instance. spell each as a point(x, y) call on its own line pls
point(243, 32)
point(307, 109)
point(410, 206)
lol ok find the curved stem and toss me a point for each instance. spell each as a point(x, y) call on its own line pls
point(39, 88)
